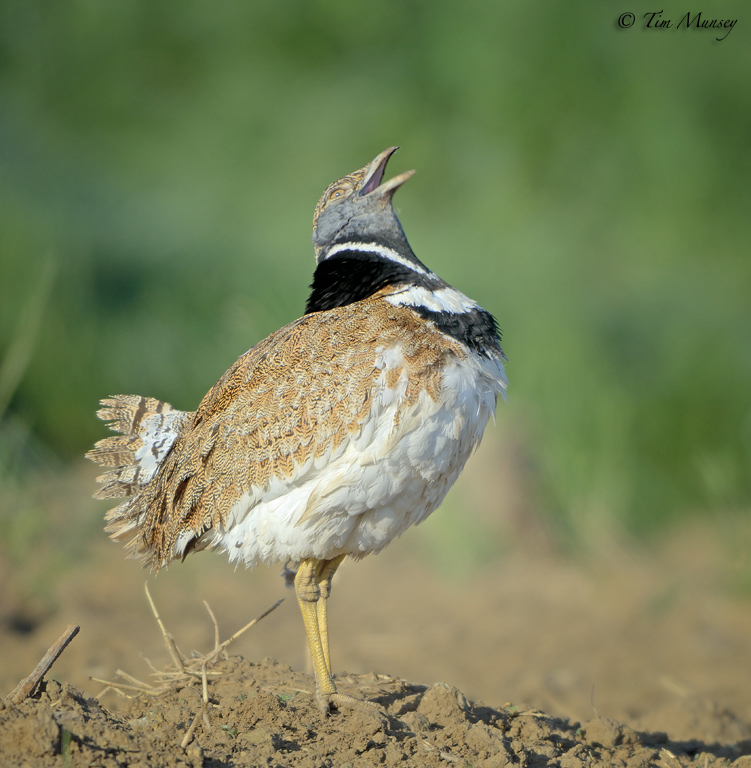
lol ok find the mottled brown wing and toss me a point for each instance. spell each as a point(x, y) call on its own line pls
point(303, 389)
point(300, 392)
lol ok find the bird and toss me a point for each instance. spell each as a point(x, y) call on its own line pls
point(328, 438)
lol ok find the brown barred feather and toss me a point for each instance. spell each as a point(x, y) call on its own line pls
point(148, 428)
point(295, 396)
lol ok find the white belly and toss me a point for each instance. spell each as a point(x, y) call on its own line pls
point(389, 476)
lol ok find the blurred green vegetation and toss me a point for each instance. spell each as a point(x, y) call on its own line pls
point(588, 185)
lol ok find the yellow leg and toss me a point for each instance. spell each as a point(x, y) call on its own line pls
point(324, 573)
point(313, 587)
point(308, 595)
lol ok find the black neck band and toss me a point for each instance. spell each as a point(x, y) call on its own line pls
point(353, 276)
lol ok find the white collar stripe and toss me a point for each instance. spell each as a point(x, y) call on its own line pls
point(447, 300)
point(380, 250)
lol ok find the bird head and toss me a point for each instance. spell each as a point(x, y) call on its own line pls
point(358, 208)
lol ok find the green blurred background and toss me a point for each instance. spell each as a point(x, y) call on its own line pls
point(159, 165)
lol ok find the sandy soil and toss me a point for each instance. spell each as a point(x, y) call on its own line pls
point(625, 659)
point(263, 714)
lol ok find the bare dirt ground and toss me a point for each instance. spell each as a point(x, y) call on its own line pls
point(262, 714)
point(627, 659)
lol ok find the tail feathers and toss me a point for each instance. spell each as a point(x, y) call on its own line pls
point(149, 429)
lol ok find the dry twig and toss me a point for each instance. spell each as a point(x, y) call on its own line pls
point(189, 733)
point(26, 687)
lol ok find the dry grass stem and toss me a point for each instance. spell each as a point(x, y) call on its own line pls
point(182, 671)
point(132, 679)
point(216, 626)
point(204, 683)
point(148, 662)
point(170, 643)
point(222, 646)
point(119, 687)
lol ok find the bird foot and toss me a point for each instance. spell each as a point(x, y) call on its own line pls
point(336, 701)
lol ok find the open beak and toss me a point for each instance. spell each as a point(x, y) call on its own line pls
point(375, 173)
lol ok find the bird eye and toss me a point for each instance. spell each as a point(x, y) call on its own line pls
point(339, 191)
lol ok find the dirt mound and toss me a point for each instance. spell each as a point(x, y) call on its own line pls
point(265, 714)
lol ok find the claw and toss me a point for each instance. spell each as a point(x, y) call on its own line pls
point(336, 701)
